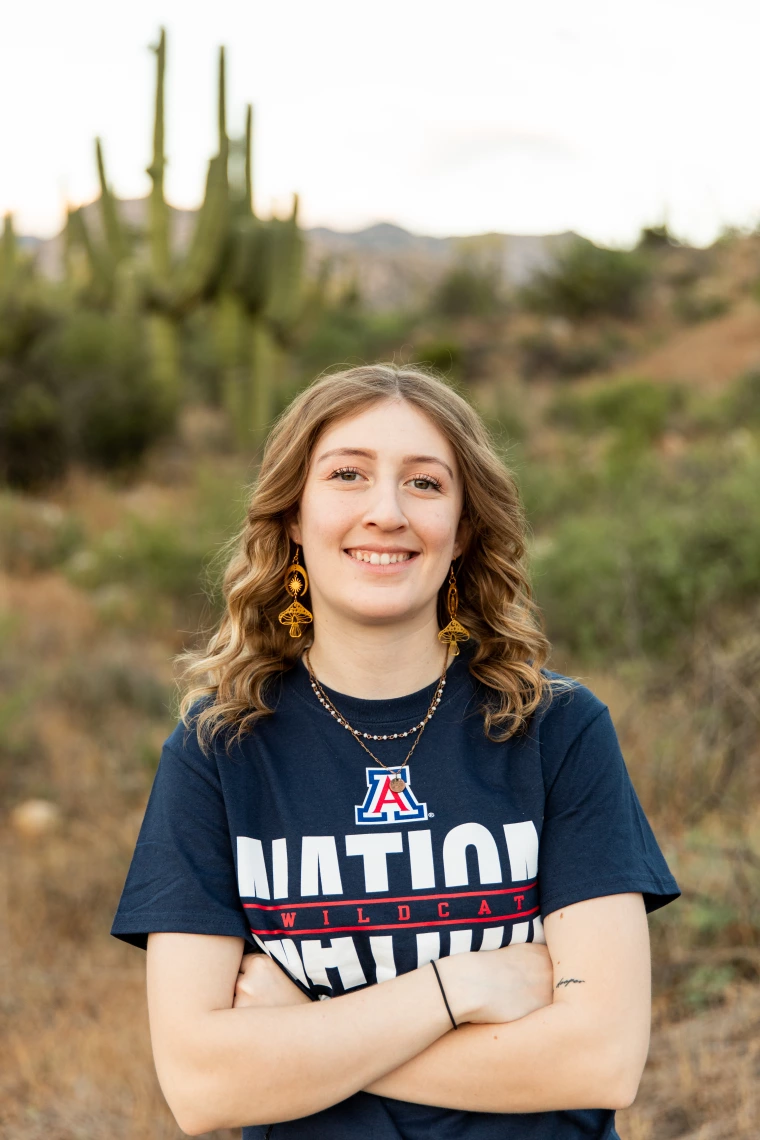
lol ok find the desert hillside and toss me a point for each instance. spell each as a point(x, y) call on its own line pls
point(623, 389)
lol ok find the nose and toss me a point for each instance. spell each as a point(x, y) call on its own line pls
point(383, 506)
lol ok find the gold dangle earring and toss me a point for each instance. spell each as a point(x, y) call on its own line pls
point(454, 631)
point(296, 582)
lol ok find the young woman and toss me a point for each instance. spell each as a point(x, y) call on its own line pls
point(375, 780)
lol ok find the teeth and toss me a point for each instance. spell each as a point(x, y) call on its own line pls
point(378, 559)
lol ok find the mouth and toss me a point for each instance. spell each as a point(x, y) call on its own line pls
point(385, 561)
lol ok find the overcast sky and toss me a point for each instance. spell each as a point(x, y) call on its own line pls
point(447, 117)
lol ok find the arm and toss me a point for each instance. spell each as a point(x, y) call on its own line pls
point(585, 1050)
point(224, 1067)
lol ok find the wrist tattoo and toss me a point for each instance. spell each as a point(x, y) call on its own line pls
point(568, 981)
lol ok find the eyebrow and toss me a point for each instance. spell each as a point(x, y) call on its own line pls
point(373, 455)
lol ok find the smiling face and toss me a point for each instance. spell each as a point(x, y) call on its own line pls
point(380, 516)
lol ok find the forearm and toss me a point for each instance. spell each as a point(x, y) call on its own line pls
point(548, 1060)
point(245, 1066)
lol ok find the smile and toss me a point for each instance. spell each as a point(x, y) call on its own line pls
point(374, 558)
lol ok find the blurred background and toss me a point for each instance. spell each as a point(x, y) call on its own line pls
point(559, 208)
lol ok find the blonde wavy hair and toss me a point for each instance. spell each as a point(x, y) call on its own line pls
point(231, 676)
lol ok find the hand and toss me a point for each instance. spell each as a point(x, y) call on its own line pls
point(261, 982)
point(499, 985)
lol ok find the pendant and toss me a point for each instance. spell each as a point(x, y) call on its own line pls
point(398, 784)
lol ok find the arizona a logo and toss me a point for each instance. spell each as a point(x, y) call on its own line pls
point(383, 805)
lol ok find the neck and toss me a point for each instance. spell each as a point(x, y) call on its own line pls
point(376, 663)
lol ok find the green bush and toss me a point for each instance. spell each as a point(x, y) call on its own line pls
point(639, 409)
point(588, 281)
point(177, 557)
point(636, 573)
point(34, 448)
point(742, 401)
point(347, 336)
point(80, 390)
point(35, 535)
point(552, 490)
point(100, 367)
point(657, 237)
point(467, 290)
point(503, 416)
point(446, 356)
point(541, 354)
point(692, 308)
point(738, 406)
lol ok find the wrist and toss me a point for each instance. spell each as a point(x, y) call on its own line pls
point(459, 985)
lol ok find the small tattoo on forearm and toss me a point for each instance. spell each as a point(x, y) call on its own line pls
point(568, 981)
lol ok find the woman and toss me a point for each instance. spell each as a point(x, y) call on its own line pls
point(375, 780)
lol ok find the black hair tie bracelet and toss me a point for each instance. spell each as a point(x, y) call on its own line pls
point(440, 983)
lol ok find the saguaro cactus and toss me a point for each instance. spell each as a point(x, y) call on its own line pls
point(249, 269)
point(163, 332)
point(8, 255)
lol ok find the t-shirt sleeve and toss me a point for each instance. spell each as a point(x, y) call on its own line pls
point(596, 839)
point(182, 875)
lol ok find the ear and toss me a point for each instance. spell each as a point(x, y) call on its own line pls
point(463, 536)
point(294, 531)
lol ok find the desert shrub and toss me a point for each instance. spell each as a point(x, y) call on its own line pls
point(467, 289)
point(35, 535)
point(80, 390)
point(551, 490)
point(637, 573)
point(99, 365)
point(348, 335)
point(738, 406)
point(116, 675)
point(503, 416)
point(742, 401)
point(634, 407)
point(657, 237)
point(445, 356)
point(155, 556)
point(177, 556)
point(588, 280)
point(540, 353)
point(34, 448)
point(692, 307)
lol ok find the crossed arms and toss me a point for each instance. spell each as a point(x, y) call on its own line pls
point(277, 1056)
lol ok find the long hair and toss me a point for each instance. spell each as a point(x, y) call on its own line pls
point(230, 677)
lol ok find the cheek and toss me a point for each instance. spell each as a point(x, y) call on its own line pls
point(436, 526)
point(326, 511)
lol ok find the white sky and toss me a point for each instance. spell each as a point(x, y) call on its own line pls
point(445, 116)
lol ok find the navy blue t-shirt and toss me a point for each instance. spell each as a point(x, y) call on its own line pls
point(296, 842)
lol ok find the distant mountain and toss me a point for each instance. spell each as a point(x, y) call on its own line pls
point(391, 266)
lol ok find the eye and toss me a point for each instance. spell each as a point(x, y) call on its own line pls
point(426, 479)
point(346, 471)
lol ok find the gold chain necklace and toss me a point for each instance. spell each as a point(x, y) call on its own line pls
point(397, 781)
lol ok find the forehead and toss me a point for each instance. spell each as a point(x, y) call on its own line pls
point(391, 428)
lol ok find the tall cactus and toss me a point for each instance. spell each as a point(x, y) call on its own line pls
point(247, 268)
point(163, 333)
point(199, 276)
point(158, 211)
point(115, 240)
point(98, 288)
point(8, 255)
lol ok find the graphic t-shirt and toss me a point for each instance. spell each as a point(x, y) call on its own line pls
point(297, 842)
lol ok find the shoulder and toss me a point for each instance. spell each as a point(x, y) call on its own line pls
point(183, 744)
point(569, 708)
